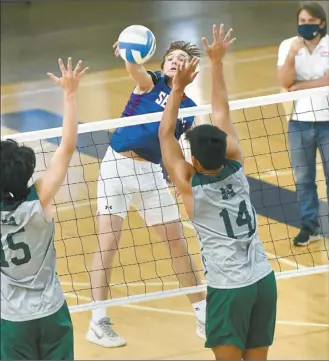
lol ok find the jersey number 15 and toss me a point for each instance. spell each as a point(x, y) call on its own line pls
point(15, 247)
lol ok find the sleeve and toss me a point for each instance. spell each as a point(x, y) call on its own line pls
point(283, 52)
point(155, 75)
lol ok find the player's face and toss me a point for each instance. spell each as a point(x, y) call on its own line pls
point(172, 61)
point(306, 18)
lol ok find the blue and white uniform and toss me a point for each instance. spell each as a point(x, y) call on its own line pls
point(125, 181)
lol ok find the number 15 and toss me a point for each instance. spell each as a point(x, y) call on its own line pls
point(15, 247)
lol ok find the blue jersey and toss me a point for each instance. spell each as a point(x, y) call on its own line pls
point(143, 138)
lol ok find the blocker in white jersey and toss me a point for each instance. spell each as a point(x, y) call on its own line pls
point(35, 319)
point(241, 291)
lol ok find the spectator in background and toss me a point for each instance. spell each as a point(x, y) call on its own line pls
point(303, 63)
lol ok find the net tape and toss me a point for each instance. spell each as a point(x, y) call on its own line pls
point(155, 117)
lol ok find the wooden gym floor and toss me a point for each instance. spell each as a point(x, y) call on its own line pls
point(165, 328)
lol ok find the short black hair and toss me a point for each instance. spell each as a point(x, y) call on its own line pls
point(317, 11)
point(208, 145)
point(17, 166)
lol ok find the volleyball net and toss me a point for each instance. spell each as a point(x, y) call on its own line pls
point(143, 266)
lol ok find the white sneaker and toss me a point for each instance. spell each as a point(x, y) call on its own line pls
point(201, 330)
point(102, 334)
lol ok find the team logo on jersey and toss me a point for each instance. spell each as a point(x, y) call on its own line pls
point(227, 192)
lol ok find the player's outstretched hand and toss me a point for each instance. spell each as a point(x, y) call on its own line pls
point(217, 50)
point(185, 74)
point(70, 78)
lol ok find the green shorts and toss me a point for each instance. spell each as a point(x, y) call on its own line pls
point(244, 317)
point(48, 338)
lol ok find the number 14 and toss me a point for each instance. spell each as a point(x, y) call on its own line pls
point(243, 218)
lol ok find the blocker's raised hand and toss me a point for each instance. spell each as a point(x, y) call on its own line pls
point(217, 50)
point(186, 72)
point(70, 78)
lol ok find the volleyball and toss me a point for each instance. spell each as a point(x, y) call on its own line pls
point(136, 44)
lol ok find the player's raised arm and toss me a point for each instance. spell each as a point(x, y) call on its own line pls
point(137, 73)
point(49, 183)
point(178, 169)
point(219, 98)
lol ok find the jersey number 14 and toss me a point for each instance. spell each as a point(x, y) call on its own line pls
point(243, 218)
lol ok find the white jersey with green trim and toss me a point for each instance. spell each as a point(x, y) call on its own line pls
point(232, 254)
point(30, 288)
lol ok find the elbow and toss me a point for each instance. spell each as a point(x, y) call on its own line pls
point(285, 84)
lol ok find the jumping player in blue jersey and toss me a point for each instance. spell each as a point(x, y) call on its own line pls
point(130, 174)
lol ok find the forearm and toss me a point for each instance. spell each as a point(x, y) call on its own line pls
point(219, 97)
point(219, 101)
point(170, 114)
point(286, 73)
point(70, 122)
point(139, 75)
point(309, 84)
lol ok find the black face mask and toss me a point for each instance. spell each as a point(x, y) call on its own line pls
point(309, 31)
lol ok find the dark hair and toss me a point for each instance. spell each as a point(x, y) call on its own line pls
point(317, 11)
point(190, 49)
point(17, 167)
point(208, 145)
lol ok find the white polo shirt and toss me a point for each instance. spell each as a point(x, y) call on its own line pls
point(309, 67)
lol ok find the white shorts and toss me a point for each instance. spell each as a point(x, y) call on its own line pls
point(123, 182)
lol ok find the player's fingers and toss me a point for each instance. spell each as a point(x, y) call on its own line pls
point(231, 41)
point(228, 35)
point(194, 75)
point(53, 77)
point(115, 45)
point(195, 62)
point(84, 71)
point(69, 65)
point(184, 64)
point(215, 32)
point(61, 66)
point(221, 32)
point(78, 67)
point(205, 43)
